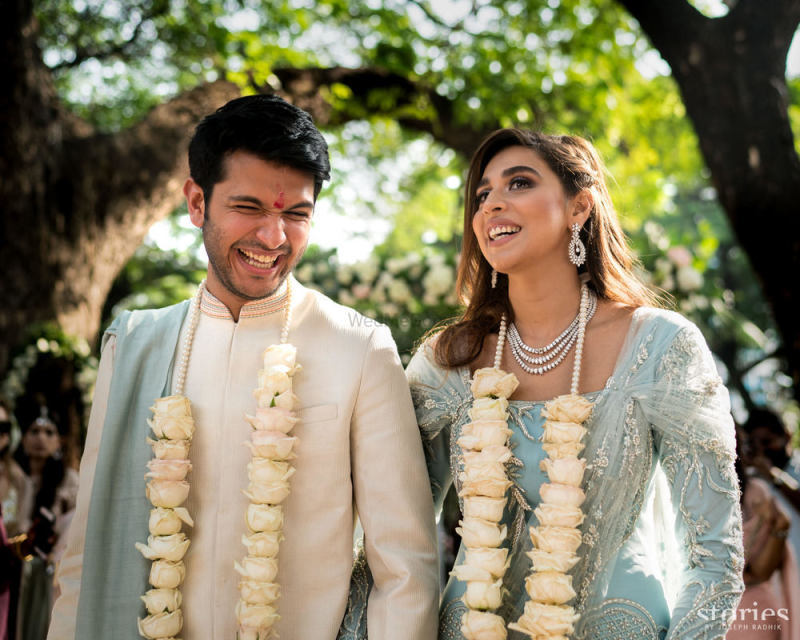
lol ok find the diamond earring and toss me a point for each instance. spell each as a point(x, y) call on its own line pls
point(577, 252)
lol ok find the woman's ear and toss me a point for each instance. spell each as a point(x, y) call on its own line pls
point(581, 207)
point(195, 202)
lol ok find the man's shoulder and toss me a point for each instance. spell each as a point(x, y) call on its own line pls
point(344, 321)
point(147, 320)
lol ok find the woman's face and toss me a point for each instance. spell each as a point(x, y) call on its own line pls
point(523, 214)
point(41, 440)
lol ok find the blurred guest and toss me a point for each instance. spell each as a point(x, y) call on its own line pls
point(15, 505)
point(56, 488)
point(771, 455)
point(15, 490)
point(770, 605)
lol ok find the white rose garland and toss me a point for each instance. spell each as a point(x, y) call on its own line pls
point(484, 482)
point(167, 489)
point(484, 442)
point(556, 540)
point(269, 472)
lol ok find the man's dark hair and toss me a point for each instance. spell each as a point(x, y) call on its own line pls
point(265, 126)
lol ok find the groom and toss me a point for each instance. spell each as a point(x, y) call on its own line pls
point(257, 165)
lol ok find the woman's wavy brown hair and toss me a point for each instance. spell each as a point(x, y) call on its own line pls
point(609, 263)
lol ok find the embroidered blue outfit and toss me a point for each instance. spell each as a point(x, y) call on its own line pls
point(662, 540)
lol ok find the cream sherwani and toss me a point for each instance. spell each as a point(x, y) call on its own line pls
point(358, 454)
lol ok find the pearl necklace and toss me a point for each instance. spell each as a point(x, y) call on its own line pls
point(540, 360)
point(268, 471)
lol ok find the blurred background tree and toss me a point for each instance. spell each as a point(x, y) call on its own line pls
point(688, 101)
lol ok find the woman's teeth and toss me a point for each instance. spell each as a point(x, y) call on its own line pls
point(502, 231)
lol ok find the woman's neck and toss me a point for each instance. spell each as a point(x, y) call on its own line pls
point(36, 466)
point(544, 307)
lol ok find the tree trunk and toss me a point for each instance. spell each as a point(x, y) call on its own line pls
point(731, 72)
point(76, 202)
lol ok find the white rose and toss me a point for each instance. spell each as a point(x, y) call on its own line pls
point(266, 471)
point(488, 487)
point(563, 432)
point(166, 575)
point(559, 515)
point(484, 507)
point(172, 427)
point(273, 419)
point(168, 469)
point(271, 444)
point(482, 625)
point(467, 572)
point(484, 433)
point(564, 470)
point(170, 449)
point(481, 533)
point(550, 587)
point(546, 620)
point(172, 406)
point(280, 354)
point(258, 569)
point(160, 600)
point(483, 470)
point(258, 592)
point(556, 538)
point(562, 494)
point(286, 400)
point(492, 453)
point(167, 493)
point(263, 517)
point(398, 291)
point(561, 561)
point(489, 409)
point(256, 617)
point(172, 547)
point(493, 382)
point(267, 398)
point(275, 380)
point(264, 544)
point(568, 408)
point(272, 493)
point(689, 278)
point(484, 595)
point(563, 449)
point(161, 625)
point(493, 560)
point(165, 522)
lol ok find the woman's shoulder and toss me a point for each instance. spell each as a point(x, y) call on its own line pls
point(425, 370)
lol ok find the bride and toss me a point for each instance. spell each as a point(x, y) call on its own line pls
point(587, 432)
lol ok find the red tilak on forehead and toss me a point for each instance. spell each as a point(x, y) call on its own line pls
point(278, 204)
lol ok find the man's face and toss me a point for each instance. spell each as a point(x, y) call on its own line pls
point(255, 226)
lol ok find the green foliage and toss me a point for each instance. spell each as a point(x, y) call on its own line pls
point(578, 66)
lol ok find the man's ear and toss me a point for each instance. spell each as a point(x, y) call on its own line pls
point(581, 208)
point(195, 201)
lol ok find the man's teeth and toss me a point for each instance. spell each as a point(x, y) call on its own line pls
point(257, 260)
point(502, 231)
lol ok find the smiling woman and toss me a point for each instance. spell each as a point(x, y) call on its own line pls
point(576, 433)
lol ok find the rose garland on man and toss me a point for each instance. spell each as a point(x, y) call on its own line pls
point(268, 472)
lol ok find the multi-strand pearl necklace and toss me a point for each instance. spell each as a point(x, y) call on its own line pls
point(540, 360)
point(268, 471)
point(484, 481)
